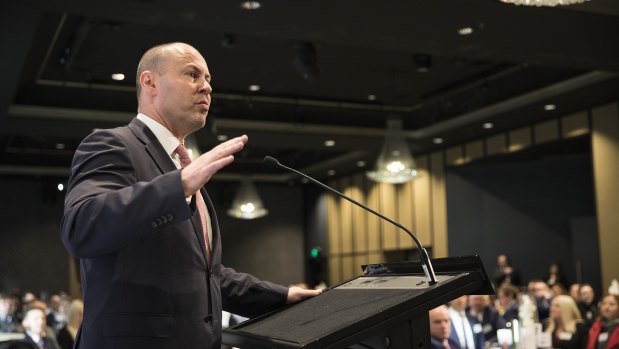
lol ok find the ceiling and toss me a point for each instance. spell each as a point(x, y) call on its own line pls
point(316, 62)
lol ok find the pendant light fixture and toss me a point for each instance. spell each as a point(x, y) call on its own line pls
point(395, 163)
point(247, 203)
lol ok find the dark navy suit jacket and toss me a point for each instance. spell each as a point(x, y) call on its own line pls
point(145, 280)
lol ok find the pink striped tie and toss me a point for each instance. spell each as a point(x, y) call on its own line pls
point(185, 159)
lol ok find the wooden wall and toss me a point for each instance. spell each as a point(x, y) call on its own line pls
point(356, 237)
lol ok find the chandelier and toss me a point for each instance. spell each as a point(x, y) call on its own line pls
point(544, 2)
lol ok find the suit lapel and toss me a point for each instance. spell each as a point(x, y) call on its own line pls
point(152, 146)
point(165, 165)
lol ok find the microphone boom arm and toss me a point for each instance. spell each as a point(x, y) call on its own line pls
point(423, 254)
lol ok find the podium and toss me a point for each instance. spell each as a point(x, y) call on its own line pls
point(386, 307)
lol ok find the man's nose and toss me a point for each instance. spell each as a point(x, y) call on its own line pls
point(206, 88)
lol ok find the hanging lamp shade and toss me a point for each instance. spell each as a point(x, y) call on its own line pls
point(395, 163)
point(247, 203)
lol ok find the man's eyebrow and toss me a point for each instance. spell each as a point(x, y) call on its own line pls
point(195, 67)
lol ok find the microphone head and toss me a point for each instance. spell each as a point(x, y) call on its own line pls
point(271, 161)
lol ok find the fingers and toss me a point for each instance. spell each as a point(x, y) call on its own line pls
point(296, 294)
point(200, 171)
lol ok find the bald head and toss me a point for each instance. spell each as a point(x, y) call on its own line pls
point(440, 327)
point(154, 60)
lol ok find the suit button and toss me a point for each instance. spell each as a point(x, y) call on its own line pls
point(164, 219)
point(153, 224)
point(170, 217)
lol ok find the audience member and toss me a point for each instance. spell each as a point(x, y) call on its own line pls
point(487, 316)
point(66, 335)
point(462, 330)
point(505, 272)
point(543, 297)
point(565, 324)
point(440, 329)
point(508, 300)
point(56, 317)
point(557, 289)
point(556, 275)
point(574, 288)
point(8, 321)
point(588, 307)
point(604, 333)
point(34, 324)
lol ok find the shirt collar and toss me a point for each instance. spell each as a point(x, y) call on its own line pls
point(164, 136)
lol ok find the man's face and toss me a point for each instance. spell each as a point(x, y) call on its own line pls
point(477, 302)
point(502, 260)
point(440, 327)
point(34, 321)
point(183, 90)
point(586, 294)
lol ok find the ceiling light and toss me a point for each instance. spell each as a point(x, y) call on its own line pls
point(487, 125)
point(437, 140)
point(251, 5)
point(360, 163)
point(395, 163)
point(371, 97)
point(465, 31)
point(539, 3)
point(329, 143)
point(222, 138)
point(549, 107)
point(60, 187)
point(60, 146)
point(254, 88)
point(247, 203)
point(331, 172)
point(118, 76)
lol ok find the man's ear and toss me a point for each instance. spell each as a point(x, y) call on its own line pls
point(148, 81)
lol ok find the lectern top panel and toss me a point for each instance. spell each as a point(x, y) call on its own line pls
point(409, 282)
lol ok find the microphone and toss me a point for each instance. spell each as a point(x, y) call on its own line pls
point(423, 254)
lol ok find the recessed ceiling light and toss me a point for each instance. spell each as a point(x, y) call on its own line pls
point(331, 172)
point(329, 143)
point(118, 76)
point(437, 140)
point(254, 87)
point(487, 125)
point(250, 5)
point(549, 107)
point(371, 97)
point(465, 31)
point(60, 146)
point(360, 163)
point(60, 187)
point(222, 138)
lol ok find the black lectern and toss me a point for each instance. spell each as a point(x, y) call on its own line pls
point(386, 307)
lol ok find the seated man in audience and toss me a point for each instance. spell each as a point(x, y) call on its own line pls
point(56, 317)
point(587, 305)
point(543, 299)
point(574, 288)
point(462, 330)
point(508, 302)
point(34, 325)
point(440, 329)
point(481, 311)
point(8, 320)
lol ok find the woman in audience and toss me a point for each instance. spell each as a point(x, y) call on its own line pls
point(66, 336)
point(604, 333)
point(565, 324)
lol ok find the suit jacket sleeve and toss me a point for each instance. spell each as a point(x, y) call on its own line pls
point(248, 296)
point(106, 208)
